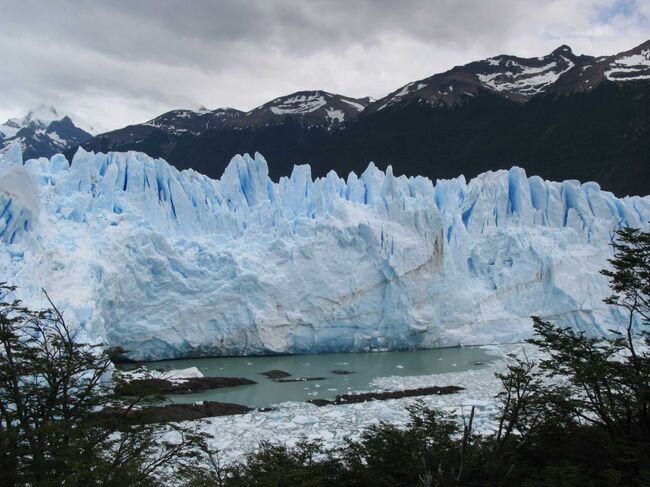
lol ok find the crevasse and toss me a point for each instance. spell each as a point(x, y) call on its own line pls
point(169, 263)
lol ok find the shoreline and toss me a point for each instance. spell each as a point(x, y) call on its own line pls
point(124, 364)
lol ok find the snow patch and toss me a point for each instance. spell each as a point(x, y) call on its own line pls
point(525, 80)
point(299, 104)
point(359, 107)
point(335, 115)
point(628, 68)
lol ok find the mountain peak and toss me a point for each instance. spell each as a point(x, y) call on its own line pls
point(632, 65)
point(297, 103)
point(42, 132)
point(43, 114)
point(563, 49)
point(511, 77)
point(192, 121)
point(311, 108)
point(642, 46)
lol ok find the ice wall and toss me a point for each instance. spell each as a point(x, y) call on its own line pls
point(167, 263)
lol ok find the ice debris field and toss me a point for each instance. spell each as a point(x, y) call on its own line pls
point(169, 263)
point(292, 422)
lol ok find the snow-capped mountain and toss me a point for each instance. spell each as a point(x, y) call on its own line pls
point(194, 122)
point(625, 67)
point(520, 79)
point(169, 263)
point(283, 127)
point(311, 109)
point(308, 109)
point(561, 115)
point(159, 136)
point(43, 132)
point(514, 78)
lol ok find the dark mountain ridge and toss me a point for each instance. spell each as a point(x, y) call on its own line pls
point(561, 116)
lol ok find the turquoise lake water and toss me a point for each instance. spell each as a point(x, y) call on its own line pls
point(364, 368)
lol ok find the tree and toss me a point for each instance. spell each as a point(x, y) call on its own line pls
point(426, 452)
point(608, 377)
point(630, 281)
point(60, 422)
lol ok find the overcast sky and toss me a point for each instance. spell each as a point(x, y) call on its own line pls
point(112, 63)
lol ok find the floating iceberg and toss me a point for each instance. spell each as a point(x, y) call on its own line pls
point(169, 263)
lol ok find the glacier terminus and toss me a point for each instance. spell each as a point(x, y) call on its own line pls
point(167, 263)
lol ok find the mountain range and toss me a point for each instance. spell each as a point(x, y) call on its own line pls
point(561, 116)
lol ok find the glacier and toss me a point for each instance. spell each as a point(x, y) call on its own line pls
point(167, 263)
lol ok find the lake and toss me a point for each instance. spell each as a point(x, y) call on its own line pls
point(364, 368)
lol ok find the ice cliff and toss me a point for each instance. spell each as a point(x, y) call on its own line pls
point(167, 264)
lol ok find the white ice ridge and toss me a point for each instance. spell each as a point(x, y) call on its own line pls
point(167, 264)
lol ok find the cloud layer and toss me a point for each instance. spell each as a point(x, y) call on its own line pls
point(119, 62)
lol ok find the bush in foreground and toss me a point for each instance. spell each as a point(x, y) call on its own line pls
point(60, 423)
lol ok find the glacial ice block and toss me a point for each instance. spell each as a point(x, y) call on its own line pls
point(169, 263)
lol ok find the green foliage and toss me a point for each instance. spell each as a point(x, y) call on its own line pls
point(630, 273)
point(60, 424)
point(424, 447)
point(305, 465)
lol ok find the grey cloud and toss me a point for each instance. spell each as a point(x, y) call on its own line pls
point(150, 56)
